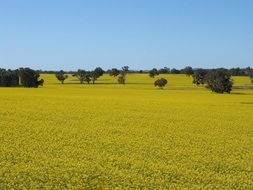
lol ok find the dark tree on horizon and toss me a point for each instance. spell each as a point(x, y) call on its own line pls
point(98, 72)
point(80, 75)
point(199, 76)
point(219, 81)
point(30, 78)
point(61, 76)
point(153, 72)
point(187, 71)
point(114, 72)
point(9, 78)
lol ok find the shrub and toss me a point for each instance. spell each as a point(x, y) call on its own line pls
point(160, 82)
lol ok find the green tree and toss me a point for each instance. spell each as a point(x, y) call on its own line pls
point(87, 77)
point(125, 69)
point(80, 75)
point(187, 71)
point(30, 78)
point(61, 76)
point(199, 76)
point(174, 71)
point(153, 72)
point(9, 78)
point(162, 82)
point(114, 72)
point(98, 72)
point(219, 81)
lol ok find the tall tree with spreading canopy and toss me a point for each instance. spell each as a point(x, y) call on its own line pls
point(98, 72)
point(80, 75)
point(219, 81)
point(61, 76)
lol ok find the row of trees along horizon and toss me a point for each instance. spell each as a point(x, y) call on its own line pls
point(217, 80)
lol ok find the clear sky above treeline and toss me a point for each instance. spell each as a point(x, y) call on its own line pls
point(72, 34)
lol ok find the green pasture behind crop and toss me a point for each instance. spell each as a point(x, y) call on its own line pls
point(132, 136)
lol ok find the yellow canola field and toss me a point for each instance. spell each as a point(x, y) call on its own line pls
point(133, 136)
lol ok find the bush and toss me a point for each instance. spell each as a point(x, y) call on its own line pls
point(161, 82)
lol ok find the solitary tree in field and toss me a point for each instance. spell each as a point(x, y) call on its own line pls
point(61, 76)
point(152, 73)
point(219, 81)
point(161, 82)
point(199, 76)
point(30, 78)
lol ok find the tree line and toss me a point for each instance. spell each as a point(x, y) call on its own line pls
point(187, 70)
point(25, 77)
point(92, 76)
point(217, 80)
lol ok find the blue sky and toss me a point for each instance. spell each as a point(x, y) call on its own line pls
point(72, 34)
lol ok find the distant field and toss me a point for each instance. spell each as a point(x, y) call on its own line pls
point(133, 136)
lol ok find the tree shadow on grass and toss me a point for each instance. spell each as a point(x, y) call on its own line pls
point(243, 87)
point(247, 103)
point(238, 93)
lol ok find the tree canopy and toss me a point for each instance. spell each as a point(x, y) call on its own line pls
point(61, 76)
point(219, 81)
point(153, 72)
point(161, 82)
